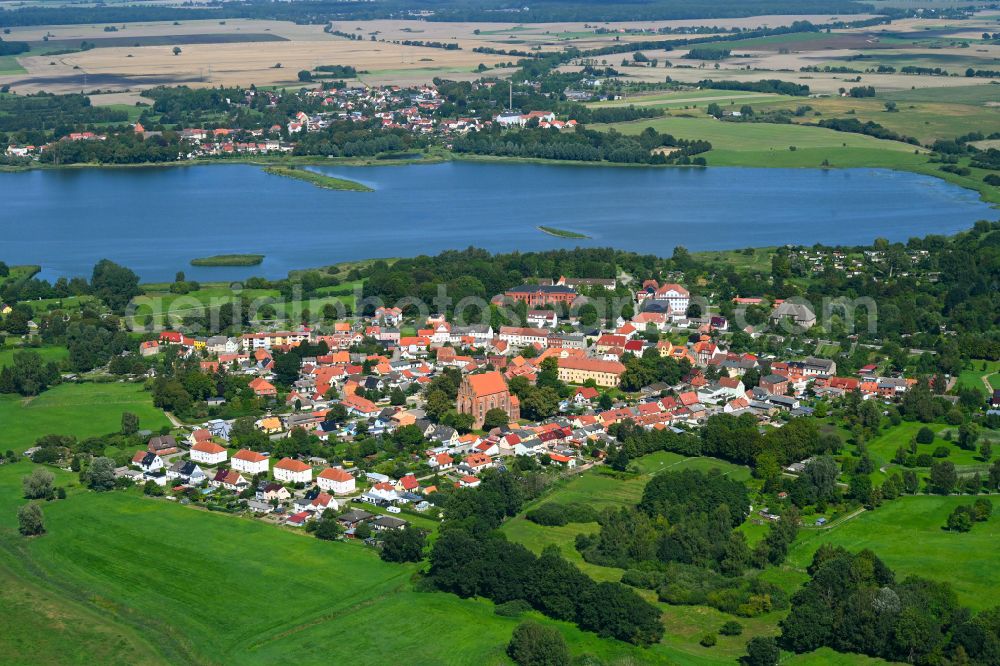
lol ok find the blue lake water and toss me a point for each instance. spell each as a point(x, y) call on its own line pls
point(156, 220)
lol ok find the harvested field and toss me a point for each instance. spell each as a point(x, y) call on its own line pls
point(163, 40)
point(240, 64)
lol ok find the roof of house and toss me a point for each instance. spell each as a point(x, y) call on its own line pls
point(335, 474)
point(249, 456)
point(208, 447)
point(591, 365)
point(292, 465)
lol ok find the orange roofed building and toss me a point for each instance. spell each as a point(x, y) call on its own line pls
point(479, 394)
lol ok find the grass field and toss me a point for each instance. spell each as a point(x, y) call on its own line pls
point(48, 353)
point(9, 65)
point(972, 95)
point(927, 121)
point(906, 533)
point(155, 573)
point(733, 139)
point(83, 410)
point(758, 259)
point(973, 376)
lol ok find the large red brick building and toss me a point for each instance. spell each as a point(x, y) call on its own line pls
point(480, 393)
point(537, 295)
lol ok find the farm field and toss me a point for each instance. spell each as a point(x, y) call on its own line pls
point(925, 121)
point(755, 137)
point(907, 534)
point(83, 410)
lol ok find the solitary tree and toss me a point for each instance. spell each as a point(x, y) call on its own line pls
point(30, 521)
point(38, 484)
point(177, 50)
point(130, 423)
point(536, 645)
point(101, 475)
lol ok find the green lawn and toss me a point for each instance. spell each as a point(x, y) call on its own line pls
point(906, 533)
point(83, 410)
point(48, 353)
point(973, 375)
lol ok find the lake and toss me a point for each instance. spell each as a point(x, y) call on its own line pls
point(155, 220)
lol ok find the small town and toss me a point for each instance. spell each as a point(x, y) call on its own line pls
point(341, 393)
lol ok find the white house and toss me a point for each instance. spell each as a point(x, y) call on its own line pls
point(209, 453)
point(147, 462)
point(676, 296)
point(289, 470)
point(186, 472)
point(336, 480)
point(250, 462)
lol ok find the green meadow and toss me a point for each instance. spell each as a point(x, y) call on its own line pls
point(48, 353)
point(83, 410)
point(927, 121)
point(732, 139)
point(124, 579)
point(907, 534)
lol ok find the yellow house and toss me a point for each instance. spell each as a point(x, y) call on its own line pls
point(270, 425)
point(578, 370)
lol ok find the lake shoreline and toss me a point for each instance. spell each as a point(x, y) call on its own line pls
point(986, 193)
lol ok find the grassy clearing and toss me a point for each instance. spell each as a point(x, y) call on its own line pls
point(48, 353)
point(907, 534)
point(229, 260)
point(750, 259)
point(973, 376)
point(318, 179)
point(83, 410)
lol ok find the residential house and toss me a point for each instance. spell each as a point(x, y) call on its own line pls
point(208, 453)
point(250, 462)
point(290, 470)
point(337, 481)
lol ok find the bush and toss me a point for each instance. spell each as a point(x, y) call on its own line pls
point(30, 520)
point(925, 435)
point(942, 452)
point(554, 514)
point(536, 645)
point(708, 640)
point(731, 628)
point(512, 608)
point(761, 651)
